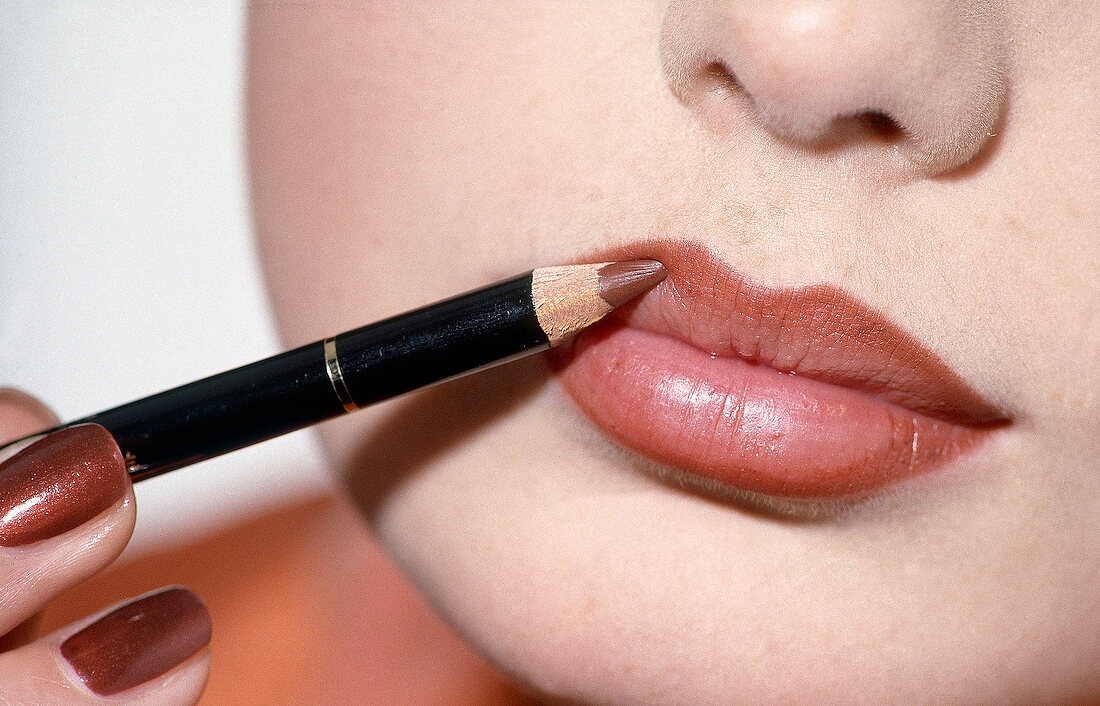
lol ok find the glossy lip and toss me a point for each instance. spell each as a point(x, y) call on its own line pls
point(798, 393)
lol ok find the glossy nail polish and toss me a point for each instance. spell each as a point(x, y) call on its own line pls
point(58, 483)
point(139, 641)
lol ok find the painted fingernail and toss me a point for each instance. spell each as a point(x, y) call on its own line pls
point(139, 641)
point(58, 483)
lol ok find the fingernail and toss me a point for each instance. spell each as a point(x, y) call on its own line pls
point(58, 483)
point(139, 641)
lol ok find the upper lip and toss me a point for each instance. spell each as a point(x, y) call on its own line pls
point(818, 331)
point(835, 398)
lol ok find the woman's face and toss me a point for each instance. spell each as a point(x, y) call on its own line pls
point(895, 201)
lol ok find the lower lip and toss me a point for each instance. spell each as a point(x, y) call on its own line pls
point(750, 426)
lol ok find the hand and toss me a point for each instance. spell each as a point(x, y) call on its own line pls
point(66, 512)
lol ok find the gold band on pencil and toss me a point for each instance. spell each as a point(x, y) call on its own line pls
point(336, 376)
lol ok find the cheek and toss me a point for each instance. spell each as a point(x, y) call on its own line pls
point(456, 157)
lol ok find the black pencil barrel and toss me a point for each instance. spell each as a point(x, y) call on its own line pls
point(441, 341)
point(306, 385)
point(222, 413)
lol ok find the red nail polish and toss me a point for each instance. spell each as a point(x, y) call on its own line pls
point(139, 641)
point(58, 483)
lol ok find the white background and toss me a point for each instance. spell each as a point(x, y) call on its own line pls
point(126, 260)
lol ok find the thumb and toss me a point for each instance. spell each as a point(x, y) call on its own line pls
point(21, 415)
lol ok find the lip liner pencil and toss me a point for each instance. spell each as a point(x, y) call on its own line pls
point(292, 390)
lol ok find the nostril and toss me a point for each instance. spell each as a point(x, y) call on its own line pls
point(881, 126)
point(874, 124)
point(721, 78)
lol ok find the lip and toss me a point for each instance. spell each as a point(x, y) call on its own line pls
point(801, 393)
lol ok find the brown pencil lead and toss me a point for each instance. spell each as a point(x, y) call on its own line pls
point(622, 281)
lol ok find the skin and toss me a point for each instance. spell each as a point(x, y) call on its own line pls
point(403, 152)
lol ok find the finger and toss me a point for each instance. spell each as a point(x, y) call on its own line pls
point(22, 414)
point(150, 650)
point(66, 512)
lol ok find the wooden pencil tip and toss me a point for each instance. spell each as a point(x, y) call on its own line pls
point(622, 281)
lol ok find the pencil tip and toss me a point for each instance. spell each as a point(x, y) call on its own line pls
point(622, 281)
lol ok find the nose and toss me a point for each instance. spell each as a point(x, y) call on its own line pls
point(927, 77)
